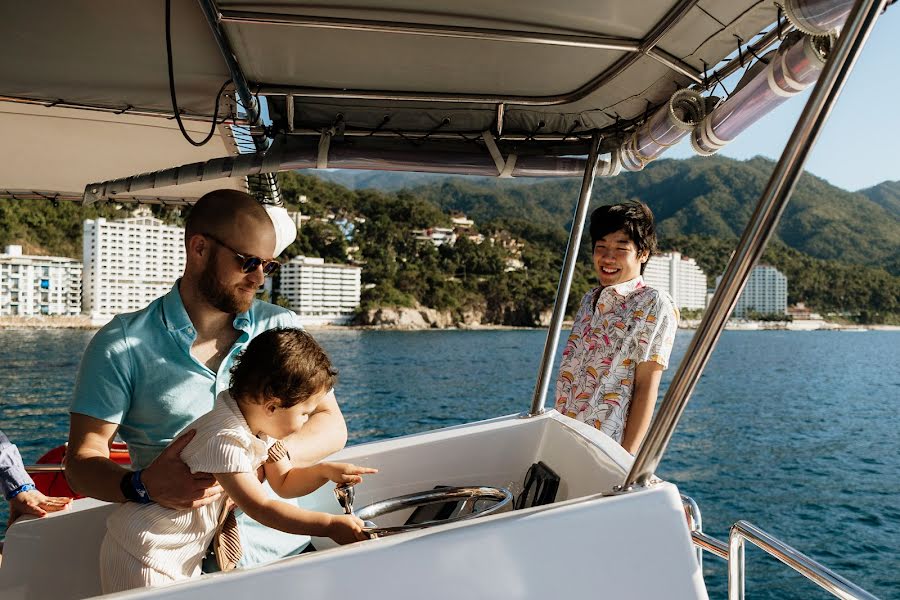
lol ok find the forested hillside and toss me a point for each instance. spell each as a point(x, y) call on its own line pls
point(825, 245)
point(703, 196)
point(886, 195)
point(839, 250)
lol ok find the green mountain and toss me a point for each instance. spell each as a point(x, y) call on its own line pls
point(886, 195)
point(701, 206)
point(702, 196)
point(840, 250)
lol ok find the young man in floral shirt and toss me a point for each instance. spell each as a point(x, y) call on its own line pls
point(623, 332)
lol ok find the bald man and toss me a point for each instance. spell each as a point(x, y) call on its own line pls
point(150, 373)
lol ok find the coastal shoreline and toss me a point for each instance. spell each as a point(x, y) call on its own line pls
point(84, 322)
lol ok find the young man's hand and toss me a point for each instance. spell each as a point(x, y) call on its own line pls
point(345, 472)
point(35, 503)
point(346, 529)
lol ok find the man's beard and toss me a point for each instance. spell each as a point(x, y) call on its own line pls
point(217, 294)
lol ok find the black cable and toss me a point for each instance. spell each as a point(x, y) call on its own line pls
point(184, 132)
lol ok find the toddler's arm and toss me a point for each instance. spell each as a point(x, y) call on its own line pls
point(294, 482)
point(248, 493)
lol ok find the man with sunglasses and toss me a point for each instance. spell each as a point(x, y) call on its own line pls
point(150, 373)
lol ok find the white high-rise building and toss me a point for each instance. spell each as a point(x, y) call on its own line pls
point(129, 263)
point(680, 277)
point(320, 292)
point(765, 293)
point(38, 285)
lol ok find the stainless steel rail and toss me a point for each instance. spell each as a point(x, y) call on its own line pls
point(32, 469)
point(241, 87)
point(710, 544)
point(762, 223)
point(565, 280)
point(733, 553)
point(812, 570)
point(646, 47)
point(695, 523)
point(600, 42)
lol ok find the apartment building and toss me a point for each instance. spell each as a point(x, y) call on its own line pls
point(128, 263)
point(38, 285)
point(765, 293)
point(320, 292)
point(680, 277)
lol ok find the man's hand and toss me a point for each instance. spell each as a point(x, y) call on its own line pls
point(170, 482)
point(344, 472)
point(35, 503)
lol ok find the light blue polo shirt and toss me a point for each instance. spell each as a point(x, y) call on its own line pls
point(138, 372)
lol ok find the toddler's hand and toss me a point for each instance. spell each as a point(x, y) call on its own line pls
point(346, 529)
point(345, 472)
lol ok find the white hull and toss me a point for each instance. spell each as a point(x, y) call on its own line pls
point(631, 546)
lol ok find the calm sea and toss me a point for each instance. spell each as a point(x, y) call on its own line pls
point(797, 432)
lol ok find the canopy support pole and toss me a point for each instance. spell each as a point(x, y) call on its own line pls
point(565, 280)
point(242, 88)
point(762, 223)
point(263, 186)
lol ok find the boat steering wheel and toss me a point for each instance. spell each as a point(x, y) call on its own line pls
point(502, 498)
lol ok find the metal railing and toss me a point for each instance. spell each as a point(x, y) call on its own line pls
point(756, 235)
point(799, 562)
point(733, 554)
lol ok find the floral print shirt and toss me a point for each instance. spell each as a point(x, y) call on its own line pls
point(616, 328)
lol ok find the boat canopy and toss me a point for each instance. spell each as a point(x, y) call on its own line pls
point(54, 152)
point(483, 87)
point(574, 66)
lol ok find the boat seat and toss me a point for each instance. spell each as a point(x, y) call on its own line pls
point(57, 556)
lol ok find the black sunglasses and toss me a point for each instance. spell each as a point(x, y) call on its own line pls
point(248, 263)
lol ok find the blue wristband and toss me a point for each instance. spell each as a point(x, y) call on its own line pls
point(140, 490)
point(25, 487)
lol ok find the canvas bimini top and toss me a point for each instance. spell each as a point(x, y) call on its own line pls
point(491, 88)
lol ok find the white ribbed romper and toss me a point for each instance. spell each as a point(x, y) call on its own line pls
point(148, 544)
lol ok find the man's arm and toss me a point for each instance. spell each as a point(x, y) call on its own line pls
point(168, 480)
point(89, 470)
point(647, 376)
point(325, 433)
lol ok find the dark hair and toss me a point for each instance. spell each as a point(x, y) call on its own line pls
point(632, 217)
point(286, 364)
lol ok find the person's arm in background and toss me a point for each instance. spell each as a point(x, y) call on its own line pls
point(643, 400)
point(18, 487)
point(659, 336)
point(323, 434)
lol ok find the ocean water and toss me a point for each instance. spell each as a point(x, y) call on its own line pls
point(797, 432)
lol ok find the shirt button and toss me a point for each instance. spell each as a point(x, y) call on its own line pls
point(190, 330)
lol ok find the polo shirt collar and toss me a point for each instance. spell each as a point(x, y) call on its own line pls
point(627, 287)
point(244, 320)
point(174, 313)
point(177, 319)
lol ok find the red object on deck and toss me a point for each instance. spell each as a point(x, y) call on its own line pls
point(55, 484)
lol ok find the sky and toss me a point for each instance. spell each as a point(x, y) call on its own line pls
point(858, 146)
